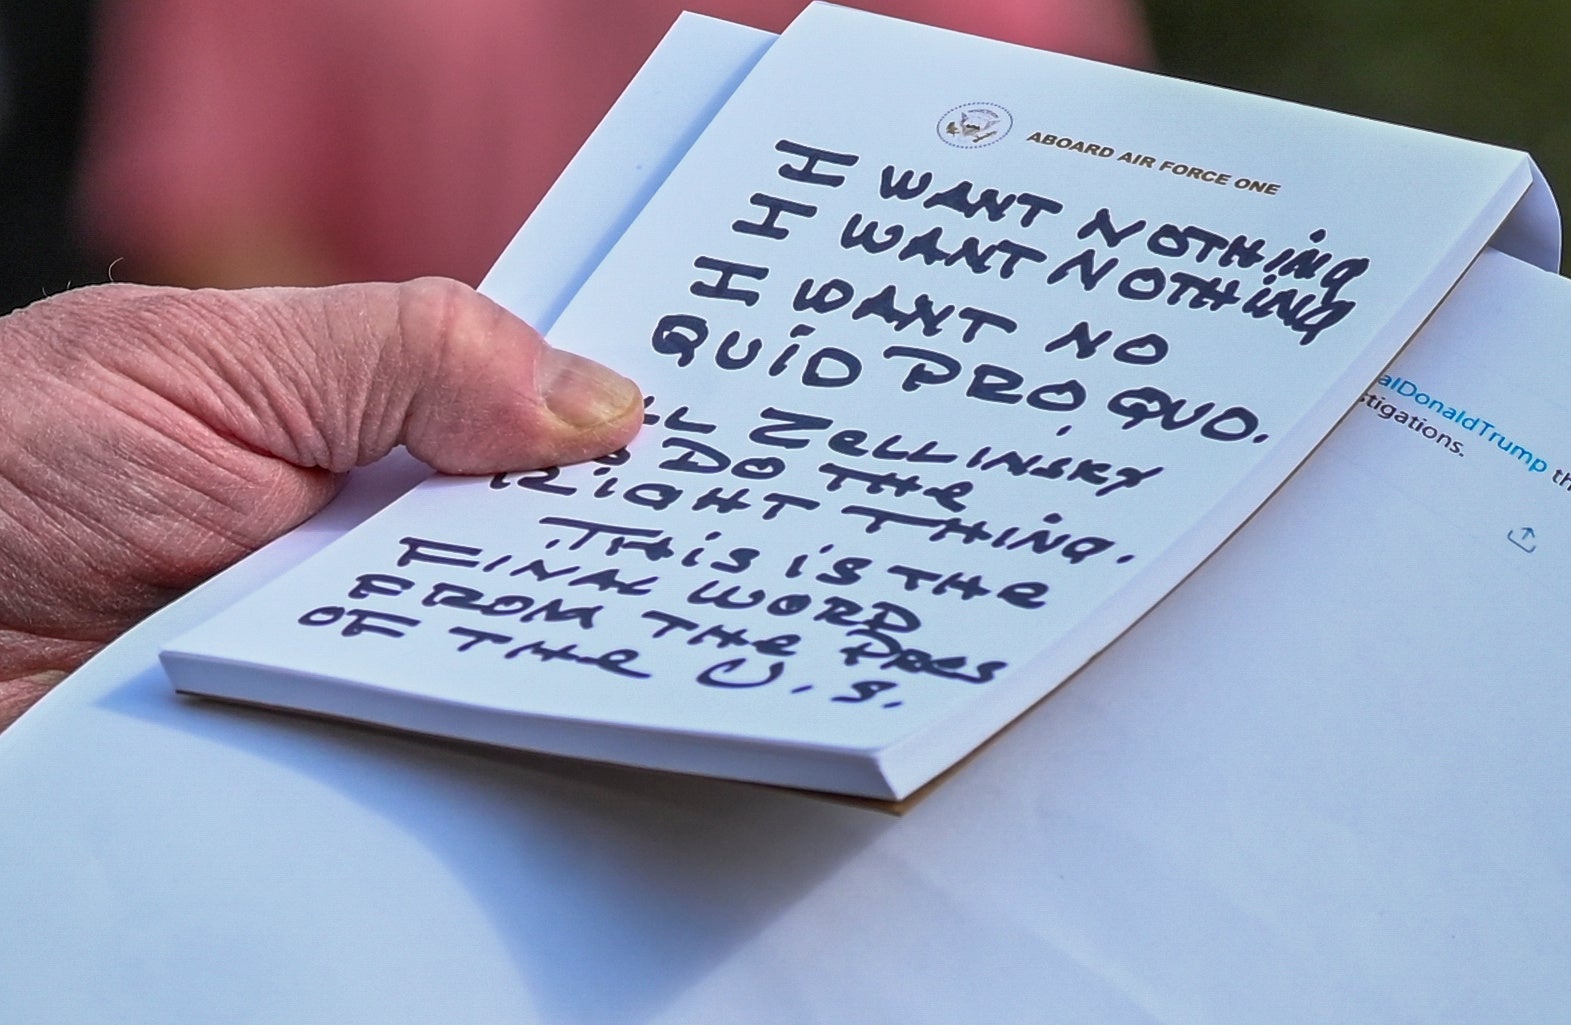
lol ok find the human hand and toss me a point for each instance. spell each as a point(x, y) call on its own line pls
point(150, 437)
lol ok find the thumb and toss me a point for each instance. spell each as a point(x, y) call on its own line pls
point(150, 436)
point(336, 377)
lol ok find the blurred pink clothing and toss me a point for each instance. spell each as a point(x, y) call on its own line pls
point(408, 137)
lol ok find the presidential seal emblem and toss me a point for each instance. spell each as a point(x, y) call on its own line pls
point(974, 125)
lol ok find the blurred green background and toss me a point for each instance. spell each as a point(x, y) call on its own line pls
point(1495, 71)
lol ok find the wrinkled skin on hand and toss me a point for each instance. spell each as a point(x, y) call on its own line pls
point(150, 437)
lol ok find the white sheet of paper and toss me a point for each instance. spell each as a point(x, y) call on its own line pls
point(1324, 782)
point(896, 489)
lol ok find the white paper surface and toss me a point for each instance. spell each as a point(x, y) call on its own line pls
point(894, 490)
point(1323, 782)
